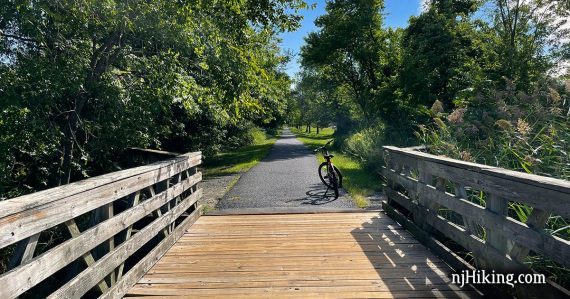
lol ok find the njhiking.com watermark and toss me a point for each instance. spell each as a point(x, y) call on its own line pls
point(485, 277)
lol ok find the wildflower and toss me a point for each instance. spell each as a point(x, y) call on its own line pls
point(466, 156)
point(523, 127)
point(554, 96)
point(437, 107)
point(440, 123)
point(555, 110)
point(456, 117)
point(503, 124)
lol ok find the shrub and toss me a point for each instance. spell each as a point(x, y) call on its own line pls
point(366, 145)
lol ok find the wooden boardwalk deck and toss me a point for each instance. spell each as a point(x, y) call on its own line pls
point(299, 255)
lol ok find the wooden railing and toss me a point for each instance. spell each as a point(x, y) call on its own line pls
point(475, 206)
point(108, 230)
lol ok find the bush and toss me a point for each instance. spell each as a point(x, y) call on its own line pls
point(366, 145)
point(514, 130)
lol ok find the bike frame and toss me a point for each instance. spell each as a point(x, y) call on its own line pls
point(330, 165)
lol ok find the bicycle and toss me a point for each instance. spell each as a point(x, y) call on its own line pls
point(328, 173)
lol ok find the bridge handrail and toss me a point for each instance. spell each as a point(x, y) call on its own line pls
point(141, 210)
point(430, 187)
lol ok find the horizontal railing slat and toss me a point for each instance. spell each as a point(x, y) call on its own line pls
point(20, 279)
point(30, 221)
point(88, 278)
point(539, 242)
point(542, 192)
point(30, 201)
point(479, 248)
point(547, 196)
point(138, 271)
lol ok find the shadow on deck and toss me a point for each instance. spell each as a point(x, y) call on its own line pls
point(299, 255)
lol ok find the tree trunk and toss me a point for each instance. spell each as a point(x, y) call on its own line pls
point(318, 130)
point(101, 58)
point(69, 140)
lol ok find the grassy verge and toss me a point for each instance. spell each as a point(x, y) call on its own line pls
point(358, 180)
point(242, 159)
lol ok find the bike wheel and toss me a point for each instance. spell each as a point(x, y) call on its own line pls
point(326, 177)
point(324, 174)
point(333, 179)
point(339, 176)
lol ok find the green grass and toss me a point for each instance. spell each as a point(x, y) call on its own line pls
point(357, 180)
point(242, 159)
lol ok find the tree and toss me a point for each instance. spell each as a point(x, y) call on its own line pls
point(87, 79)
point(347, 49)
point(530, 38)
point(440, 53)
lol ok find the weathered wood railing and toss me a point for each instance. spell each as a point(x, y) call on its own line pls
point(472, 204)
point(119, 225)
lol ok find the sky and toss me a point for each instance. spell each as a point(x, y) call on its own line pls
point(397, 14)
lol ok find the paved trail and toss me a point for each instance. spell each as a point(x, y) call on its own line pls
point(286, 178)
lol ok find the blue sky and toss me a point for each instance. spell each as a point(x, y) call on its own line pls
point(397, 14)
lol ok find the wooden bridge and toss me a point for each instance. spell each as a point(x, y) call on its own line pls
point(140, 232)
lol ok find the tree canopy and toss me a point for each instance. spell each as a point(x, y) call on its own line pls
point(84, 80)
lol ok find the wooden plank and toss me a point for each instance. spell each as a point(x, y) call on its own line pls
point(248, 259)
point(134, 202)
point(325, 266)
point(83, 282)
point(400, 199)
point(440, 250)
point(24, 251)
point(108, 212)
point(538, 241)
point(496, 238)
point(281, 211)
point(295, 254)
point(363, 214)
point(337, 294)
point(135, 273)
point(528, 179)
point(536, 221)
point(299, 290)
point(306, 274)
point(18, 280)
point(30, 201)
point(499, 261)
point(87, 257)
point(461, 194)
point(537, 191)
point(30, 221)
point(404, 181)
point(393, 284)
point(153, 151)
point(388, 258)
point(464, 238)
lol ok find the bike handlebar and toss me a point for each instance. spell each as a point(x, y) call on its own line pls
point(324, 146)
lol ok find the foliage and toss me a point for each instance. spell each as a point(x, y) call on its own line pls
point(84, 80)
point(366, 145)
point(347, 52)
point(478, 80)
point(242, 159)
point(508, 128)
point(356, 176)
